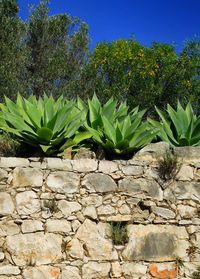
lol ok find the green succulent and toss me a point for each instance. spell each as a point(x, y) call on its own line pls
point(116, 129)
point(43, 122)
point(179, 127)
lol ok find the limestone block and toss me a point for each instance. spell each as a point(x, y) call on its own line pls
point(3, 175)
point(95, 242)
point(134, 270)
point(75, 249)
point(67, 208)
point(96, 270)
point(92, 199)
point(106, 210)
point(6, 204)
point(58, 164)
point(9, 270)
point(41, 272)
point(27, 203)
point(13, 162)
point(35, 248)
point(116, 270)
point(32, 226)
point(8, 228)
point(186, 211)
point(71, 272)
point(23, 177)
point(84, 165)
point(186, 190)
point(141, 186)
point(58, 226)
point(156, 243)
point(97, 182)
point(108, 167)
point(63, 182)
point(132, 170)
point(90, 212)
point(186, 173)
point(163, 212)
point(2, 256)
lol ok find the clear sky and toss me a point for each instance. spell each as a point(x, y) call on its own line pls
point(170, 21)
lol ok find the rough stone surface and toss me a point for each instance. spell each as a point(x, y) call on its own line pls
point(29, 226)
point(41, 272)
point(164, 212)
point(34, 248)
point(96, 270)
point(62, 226)
point(63, 182)
point(23, 177)
point(141, 186)
point(100, 183)
point(70, 272)
point(136, 270)
point(27, 203)
point(9, 270)
point(6, 204)
point(84, 165)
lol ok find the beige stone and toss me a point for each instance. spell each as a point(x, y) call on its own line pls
point(62, 226)
point(32, 226)
point(94, 239)
point(34, 248)
point(70, 272)
point(84, 165)
point(23, 177)
point(108, 167)
point(92, 199)
point(41, 272)
point(98, 182)
point(27, 203)
point(90, 212)
point(186, 173)
point(13, 162)
point(9, 270)
point(133, 170)
point(134, 270)
point(58, 164)
point(6, 204)
point(116, 270)
point(96, 270)
point(67, 208)
point(63, 182)
point(163, 212)
point(186, 211)
point(75, 249)
point(106, 210)
point(8, 228)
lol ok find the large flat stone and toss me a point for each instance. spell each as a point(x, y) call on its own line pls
point(156, 243)
point(71, 272)
point(97, 182)
point(8, 228)
point(13, 162)
point(6, 204)
point(93, 238)
point(186, 190)
point(34, 248)
point(23, 177)
point(27, 203)
point(141, 187)
point(84, 165)
point(9, 270)
point(61, 226)
point(67, 208)
point(63, 182)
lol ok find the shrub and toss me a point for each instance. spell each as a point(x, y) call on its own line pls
point(8, 146)
point(119, 233)
point(179, 127)
point(196, 274)
point(168, 166)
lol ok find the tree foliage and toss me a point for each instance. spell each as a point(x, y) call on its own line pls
point(144, 75)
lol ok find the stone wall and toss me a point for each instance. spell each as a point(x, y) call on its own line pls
point(56, 217)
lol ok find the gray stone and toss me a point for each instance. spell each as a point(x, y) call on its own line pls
point(158, 243)
point(92, 199)
point(34, 248)
point(41, 272)
point(6, 204)
point(63, 182)
point(163, 212)
point(2, 256)
point(23, 177)
point(32, 226)
point(3, 175)
point(133, 170)
point(27, 203)
point(186, 190)
point(141, 186)
point(188, 154)
point(9, 270)
point(186, 211)
point(97, 182)
point(67, 208)
point(61, 226)
point(108, 167)
point(71, 272)
point(93, 237)
point(13, 162)
point(186, 173)
point(106, 210)
point(84, 165)
point(96, 270)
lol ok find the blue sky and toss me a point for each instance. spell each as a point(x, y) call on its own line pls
point(170, 21)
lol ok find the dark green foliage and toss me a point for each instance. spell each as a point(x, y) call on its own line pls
point(57, 49)
point(196, 274)
point(168, 166)
point(51, 205)
point(13, 52)
point(118, 233)
point(9, 147)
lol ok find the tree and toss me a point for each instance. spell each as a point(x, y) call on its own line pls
point(12, 50)
point(58, 47)
point(145, 76)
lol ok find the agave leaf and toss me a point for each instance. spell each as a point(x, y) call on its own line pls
point(45, 133)
point(109, 130)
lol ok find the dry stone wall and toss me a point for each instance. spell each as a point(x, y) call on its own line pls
point(56, 218)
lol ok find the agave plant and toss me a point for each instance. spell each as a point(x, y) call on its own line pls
point(116, 129)
point(179, 127)
point(42, 122)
